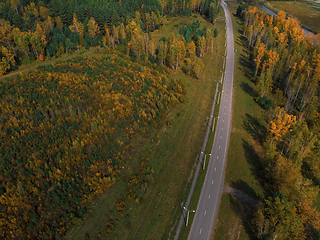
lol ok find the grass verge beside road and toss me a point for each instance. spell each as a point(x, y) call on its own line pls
point(243, 164)
point(172, 151)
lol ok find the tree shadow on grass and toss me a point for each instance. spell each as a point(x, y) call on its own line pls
point(248, 89)
point(242, 40)
point(245, 212)
point(246, 189)
point(257, 166)
point(246, 66)
point(254, 128)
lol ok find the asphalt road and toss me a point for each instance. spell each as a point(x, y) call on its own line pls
point(212, 188)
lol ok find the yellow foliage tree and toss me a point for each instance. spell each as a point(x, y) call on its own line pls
point(77, 26)
point(6, 61)
point(261, 51)
point(281, 124)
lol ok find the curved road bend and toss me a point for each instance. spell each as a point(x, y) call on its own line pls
point(212, 188)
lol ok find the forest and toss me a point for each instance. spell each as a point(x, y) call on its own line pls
point(45, 29)
point(66, 128)
point(286, 72)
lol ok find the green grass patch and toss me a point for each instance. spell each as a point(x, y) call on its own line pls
point(173, 24)
point(243, 164)
point(172, 150)
point(308, 14)
point(234, 215)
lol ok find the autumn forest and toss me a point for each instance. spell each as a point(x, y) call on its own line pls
point(286, 72)
point(67, 128)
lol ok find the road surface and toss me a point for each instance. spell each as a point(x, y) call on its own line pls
point(212, 188)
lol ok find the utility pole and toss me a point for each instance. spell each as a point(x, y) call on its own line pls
point(213, 122)
point(219, 96)
point(205, 156)
point(188, 214)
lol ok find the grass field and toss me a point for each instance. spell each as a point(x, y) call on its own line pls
point(308, 13)
point(172, 151)
point(244, 152)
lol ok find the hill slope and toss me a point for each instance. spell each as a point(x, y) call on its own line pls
point(65, 130)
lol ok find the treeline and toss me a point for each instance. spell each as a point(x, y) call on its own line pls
point(286, 70)
point(41, 29)
point(186, 48)
point(208, 8)
point(45, 29)
point(65, 131)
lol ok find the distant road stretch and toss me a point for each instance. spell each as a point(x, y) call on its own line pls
point(212, 188)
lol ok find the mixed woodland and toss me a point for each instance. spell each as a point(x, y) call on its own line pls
point(286, 71)
point(45, 29)
point(66, 128)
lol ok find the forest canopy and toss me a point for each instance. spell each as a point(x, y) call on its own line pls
point(286, 71)
point(45, 29)
point(66, 128)
point(65, 131)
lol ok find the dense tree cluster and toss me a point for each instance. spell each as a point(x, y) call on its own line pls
point(287, 64)
point(43, 29)
point(209, 8)
point(38, 29)
point(65, 130)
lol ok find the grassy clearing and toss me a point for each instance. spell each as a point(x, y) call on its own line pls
point(244, 152)
point(173, 24)
point(308, 14)
point(172, 151)
point(29, 65)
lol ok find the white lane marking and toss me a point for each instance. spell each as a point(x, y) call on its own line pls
point(220, 137)
point(224, 113)
point(217, 157)
point(205, 212)
point(200, 231)
point(222, 129)
point(212, 183)
point(209, 196)
point(215, 168)
point(219, 146)
point(225, 106)
point(222, 120)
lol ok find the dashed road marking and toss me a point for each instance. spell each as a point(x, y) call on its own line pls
point(200, 231)
point(205, 212)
